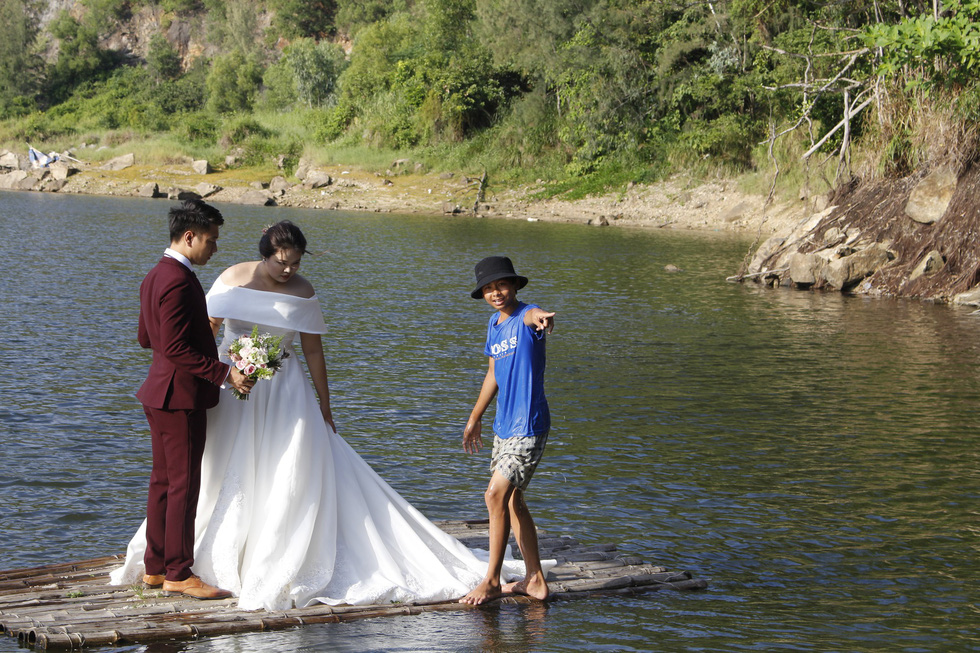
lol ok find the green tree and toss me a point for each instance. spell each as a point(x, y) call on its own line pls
point(422, 75)
point(278, 87)
point(377, 52)
point(447, 24)
point(186, 93)
point(20, 67)
point(162, 59)
point(606, 84)
point(528, 35)
point(80, 59)
point(932, 50)
point(298, 18)
point(104, 15)
point(241, 26)
point(315, 68)
point(233, 83)
point(354, 15)
point(463, 88)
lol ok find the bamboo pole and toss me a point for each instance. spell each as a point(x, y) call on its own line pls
point(232, 624)
point(70, 566)
point(72, 606)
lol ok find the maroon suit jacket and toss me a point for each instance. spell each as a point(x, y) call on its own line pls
point(185, 373)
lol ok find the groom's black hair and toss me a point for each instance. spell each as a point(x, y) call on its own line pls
point(195, 215)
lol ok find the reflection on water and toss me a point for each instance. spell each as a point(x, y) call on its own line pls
point(813, 455)
point(516, 629)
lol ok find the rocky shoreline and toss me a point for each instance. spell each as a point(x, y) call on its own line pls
point(914, 237)
point(677, 203)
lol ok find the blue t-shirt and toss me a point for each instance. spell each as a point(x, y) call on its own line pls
point(518, 354)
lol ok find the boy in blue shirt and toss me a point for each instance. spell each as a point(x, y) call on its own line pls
point(516, 350)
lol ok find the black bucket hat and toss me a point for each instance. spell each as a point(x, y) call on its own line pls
point(492, 268)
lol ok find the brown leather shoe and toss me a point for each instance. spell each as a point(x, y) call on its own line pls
point(194, 587)
point(153, 581)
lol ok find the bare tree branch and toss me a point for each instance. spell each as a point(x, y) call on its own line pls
point(848, 114)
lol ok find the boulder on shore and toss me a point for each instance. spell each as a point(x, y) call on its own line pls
point(150, 190)
point(302, 168)
point(279, 183)
point(930, 198)
point(805, 269)
point(53, 185)
point(10, 161)
point(120, 162)
point(12, 180)
point(969, 298)
point(257, 198)
point(181, 194)
point(931, 263)
point(204, 189)
point(33, 180)
point(847, 272)
point(317, 179)
point(61, 170)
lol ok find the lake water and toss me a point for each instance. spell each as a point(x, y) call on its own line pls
point(813, 456)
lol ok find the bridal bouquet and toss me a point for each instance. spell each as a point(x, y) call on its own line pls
point(258, 356)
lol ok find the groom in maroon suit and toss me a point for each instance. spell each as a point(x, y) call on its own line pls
point(182, 383)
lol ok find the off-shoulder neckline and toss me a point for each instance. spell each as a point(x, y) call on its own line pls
point(270, 292)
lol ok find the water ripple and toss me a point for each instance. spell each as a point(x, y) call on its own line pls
point(815, 456)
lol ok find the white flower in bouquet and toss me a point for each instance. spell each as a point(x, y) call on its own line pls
point(257, 356)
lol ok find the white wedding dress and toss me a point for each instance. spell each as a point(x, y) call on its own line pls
point(289, 514)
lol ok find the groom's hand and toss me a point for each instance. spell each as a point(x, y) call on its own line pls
point(239, 381)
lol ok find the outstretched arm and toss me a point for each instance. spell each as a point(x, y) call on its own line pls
point(472, 434)
point(313, 352)
point(540, 319)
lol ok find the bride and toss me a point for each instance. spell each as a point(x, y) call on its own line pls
point(289, 514)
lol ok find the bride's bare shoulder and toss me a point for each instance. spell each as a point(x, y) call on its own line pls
point(238, 274)
point(301, 287)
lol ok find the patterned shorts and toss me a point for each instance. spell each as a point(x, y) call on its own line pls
point(517, 457)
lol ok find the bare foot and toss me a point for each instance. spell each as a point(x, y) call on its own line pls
point(535, 587)
point(485, 591)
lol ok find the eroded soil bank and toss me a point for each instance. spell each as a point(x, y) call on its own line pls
point(915, 237)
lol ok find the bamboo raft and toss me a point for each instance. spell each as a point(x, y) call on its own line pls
point(71, 606)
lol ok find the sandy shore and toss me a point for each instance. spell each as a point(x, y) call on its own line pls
point(676, 203)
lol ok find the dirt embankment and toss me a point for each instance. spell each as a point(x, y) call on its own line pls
point(914, 237)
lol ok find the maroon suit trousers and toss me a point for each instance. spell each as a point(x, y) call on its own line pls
point(175, 483)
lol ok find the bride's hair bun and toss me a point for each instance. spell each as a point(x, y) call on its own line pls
point(282, 235)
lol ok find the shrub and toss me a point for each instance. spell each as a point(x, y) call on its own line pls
point(262, 150)
point(200, 128)
point(329, 126)
point(241, 129)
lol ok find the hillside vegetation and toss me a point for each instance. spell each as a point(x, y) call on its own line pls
point(587, 95)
